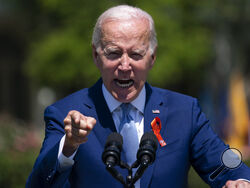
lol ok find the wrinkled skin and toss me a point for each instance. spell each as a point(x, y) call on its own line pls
point(124, 57)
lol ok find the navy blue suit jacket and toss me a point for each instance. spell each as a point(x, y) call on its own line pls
point(189, 137)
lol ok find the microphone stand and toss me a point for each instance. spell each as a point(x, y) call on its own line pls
point(115, 174)
point(140, 171)
point(130, 180)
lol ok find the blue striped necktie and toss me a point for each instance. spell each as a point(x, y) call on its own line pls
point(129, 133)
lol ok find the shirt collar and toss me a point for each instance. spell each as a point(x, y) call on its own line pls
point(138, 102)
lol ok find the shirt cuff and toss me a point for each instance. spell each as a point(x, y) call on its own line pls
point(64, 162)
point(244, 180)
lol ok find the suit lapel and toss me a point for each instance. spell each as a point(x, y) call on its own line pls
point(105, 124)
point(154, 102)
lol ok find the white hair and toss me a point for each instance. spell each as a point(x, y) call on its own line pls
point(122, 12)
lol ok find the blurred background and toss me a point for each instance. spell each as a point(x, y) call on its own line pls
point(45, 54)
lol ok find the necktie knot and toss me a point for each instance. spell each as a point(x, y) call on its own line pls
point(126, 107)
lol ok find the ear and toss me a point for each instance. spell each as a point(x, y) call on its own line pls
point(95, 55)
point(153, 57)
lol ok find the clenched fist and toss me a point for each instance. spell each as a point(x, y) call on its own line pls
point(237, 184)
point(77, 128)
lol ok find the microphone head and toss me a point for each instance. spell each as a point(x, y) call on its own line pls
point(149, 137)
point(112, 151)
point(114, 138)
point(147, 148)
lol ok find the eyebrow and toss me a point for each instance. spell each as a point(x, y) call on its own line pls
point(115, 48)
point(139, 51)
point(110, 49)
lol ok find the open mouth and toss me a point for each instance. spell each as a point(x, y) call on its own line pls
point(124, 83)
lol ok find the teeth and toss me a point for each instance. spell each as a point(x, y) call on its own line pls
point(124, 79)
point(124, 85)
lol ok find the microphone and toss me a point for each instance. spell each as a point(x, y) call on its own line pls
point(112, 151)
point(147, 148)
point(146, 153)
point(111, 155)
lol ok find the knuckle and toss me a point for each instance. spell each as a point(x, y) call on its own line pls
point(229, 183)
point(91, 122)
point(67, 128)
point(75, 121)
point(83, 116)
point(68, 134)
point(71, 112)
point(74, 114)
point(67, 120)
point(245, 183)
point(83, 124)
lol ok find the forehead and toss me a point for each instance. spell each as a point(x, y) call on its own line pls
point(128, 31)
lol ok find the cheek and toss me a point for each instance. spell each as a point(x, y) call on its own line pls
point(105, 65)
point(108, 70)
point(141, 71)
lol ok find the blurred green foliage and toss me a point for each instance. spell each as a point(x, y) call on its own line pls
point(58, 37)
point(19, 147)
point(60, 51)
point(60, 55)
point(15, 168)
point(194, 180)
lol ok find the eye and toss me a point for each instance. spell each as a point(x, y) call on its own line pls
point(113, 55)
point(136, 56)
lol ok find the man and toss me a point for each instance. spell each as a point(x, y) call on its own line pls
point(124, 50)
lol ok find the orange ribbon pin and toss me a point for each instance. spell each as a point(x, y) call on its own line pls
point(156, 126)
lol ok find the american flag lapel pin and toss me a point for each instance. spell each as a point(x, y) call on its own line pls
point(156, 111)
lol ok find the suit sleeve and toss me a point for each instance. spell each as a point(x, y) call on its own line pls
point(45, 172)
point(206, 150)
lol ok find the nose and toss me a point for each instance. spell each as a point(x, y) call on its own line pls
point(124, 63)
